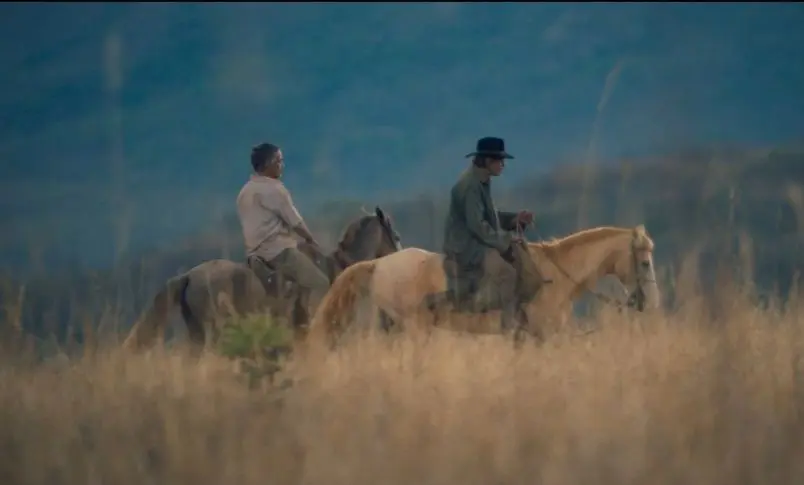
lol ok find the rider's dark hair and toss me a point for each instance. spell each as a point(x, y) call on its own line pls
point(262, 154)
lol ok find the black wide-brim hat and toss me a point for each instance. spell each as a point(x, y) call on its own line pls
point(491, 147)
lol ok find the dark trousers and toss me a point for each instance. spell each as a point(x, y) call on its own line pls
point(480, 286)
point(292, 263)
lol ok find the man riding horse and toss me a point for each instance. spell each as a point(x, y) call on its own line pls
point(269, 221)
point(477, 241)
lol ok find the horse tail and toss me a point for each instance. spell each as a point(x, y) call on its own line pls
point(154, 320)
point(352, 283)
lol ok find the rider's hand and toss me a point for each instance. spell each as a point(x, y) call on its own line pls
point(523, 218)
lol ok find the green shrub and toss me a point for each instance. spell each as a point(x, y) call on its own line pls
point(258, 342)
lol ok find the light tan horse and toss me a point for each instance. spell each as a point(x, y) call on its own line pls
point(398, 283)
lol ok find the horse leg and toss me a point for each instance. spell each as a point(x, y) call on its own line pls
point(196, 335)
point(524, 328)
point(511, 319)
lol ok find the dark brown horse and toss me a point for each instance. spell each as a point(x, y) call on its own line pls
point(218, 289)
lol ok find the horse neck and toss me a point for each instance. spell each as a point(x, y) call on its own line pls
point(338, 260)
point(358, 246)
point(362, 244)
point(588, 261)
point(341, 258)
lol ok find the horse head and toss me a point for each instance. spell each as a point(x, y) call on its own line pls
point(635, 269)
point(372, 236)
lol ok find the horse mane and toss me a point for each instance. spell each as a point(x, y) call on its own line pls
point(643, 240)
point(591, 236)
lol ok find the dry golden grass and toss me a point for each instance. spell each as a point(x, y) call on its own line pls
point(649, 400)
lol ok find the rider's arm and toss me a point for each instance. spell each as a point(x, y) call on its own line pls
point(283, 205)
point(301, 230)
point(478, 226)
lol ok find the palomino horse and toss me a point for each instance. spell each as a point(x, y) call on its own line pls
point(398, 283)
point(403, 298)
point(220, 288)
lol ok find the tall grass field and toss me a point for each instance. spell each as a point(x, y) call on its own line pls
point(667, 398)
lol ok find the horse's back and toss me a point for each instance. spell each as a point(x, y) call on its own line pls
point(217, 269)
point(403, 266)
point(216, 265)
point(223, 276)
point(402, 278)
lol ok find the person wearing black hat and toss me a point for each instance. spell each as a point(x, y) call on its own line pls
point(474, 227)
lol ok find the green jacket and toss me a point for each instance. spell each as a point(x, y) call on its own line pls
point(473, 224)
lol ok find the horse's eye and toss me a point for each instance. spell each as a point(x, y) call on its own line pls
point(645, 264)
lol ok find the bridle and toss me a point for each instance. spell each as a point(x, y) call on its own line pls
point(637, 297)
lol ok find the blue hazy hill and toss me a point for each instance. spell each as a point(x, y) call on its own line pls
point(127, 126)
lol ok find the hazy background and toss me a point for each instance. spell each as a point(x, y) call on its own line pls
point(124, 139)
point(126, 131)
point(126, 126)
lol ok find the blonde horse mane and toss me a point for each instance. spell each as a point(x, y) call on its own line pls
point(593, 235)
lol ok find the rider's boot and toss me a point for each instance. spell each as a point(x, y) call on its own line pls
point(434, 301)
point(508, 318)
point(514, 322)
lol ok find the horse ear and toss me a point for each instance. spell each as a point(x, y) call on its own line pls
point(379, 213)
point(639, 231)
